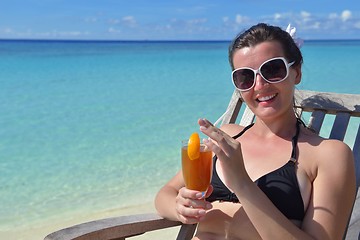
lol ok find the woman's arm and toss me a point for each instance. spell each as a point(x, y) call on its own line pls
point(334, 189)
point(165, 200)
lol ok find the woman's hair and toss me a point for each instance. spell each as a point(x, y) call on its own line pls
point(264, 33)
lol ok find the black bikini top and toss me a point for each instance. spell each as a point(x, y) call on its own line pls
point(280, 186)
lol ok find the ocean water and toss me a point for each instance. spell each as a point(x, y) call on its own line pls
point(91, 126)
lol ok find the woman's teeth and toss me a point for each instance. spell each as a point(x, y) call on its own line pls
point(266, 98)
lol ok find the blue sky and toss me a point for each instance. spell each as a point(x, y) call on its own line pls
point(174, 19)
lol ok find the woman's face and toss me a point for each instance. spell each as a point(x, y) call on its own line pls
point(267, 100)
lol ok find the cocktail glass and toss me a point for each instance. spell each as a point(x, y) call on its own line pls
point(197, 172)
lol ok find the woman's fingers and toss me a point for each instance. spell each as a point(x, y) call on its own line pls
point(190, 220)
point(189, 207)
point(224, 143)
point(191, 212)
point(192, 199)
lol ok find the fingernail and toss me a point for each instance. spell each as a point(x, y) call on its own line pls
point(202, 212)
point(207, 122)
point(199, 195)
point(202, 128)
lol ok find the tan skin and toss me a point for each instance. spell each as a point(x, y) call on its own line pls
point(325, 169)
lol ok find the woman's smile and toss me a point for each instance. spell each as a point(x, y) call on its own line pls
point(266, 98)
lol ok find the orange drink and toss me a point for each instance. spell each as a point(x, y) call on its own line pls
point(196, 171)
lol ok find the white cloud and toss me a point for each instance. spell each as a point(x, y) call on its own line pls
point(277, 16)
point(345, 15)
point(113, 30)
point(74, 33)
point(129, 21)
point(7, 30)
point(239, 19)
point(48, 34)
point(307, 22)
point(114, 21)
point(195, 26)
point(305, 15)
point(197, 21)
point(315, 25)
point(56, 33)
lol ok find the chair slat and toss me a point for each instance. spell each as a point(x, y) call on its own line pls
point(332, 102)
point(340, 125)
point(113, 228)
point(186, 232)
point(298, 111)
point(247, 117)
point(316, 120)
point(356, 152)
point(233, 108)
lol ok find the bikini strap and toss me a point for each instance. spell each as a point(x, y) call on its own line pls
point(235, 137)
point(294, 141)
point(242, 132)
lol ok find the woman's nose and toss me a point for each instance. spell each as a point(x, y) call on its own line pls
point(259, 82)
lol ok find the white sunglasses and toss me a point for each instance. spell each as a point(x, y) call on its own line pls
point(274, 70)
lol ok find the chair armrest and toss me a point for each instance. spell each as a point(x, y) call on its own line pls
point(113, 228)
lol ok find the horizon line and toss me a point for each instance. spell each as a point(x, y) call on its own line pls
point(152, 40)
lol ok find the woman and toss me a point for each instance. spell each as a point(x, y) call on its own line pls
point(256, 191)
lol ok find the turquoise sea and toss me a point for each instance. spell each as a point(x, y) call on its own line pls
point(89, 126)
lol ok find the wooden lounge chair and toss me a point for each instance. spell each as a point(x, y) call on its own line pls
point(313, 108)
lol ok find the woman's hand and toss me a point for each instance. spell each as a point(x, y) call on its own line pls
point(228, 151)
point(190, 207)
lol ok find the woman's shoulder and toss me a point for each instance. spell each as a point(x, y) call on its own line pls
point(333, 149)
point(325, 145)
point(328, 152)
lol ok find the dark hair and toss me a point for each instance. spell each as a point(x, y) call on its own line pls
point(263, 32)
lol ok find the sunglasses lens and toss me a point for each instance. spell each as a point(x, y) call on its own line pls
point(274, 70)
point(243, 78)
